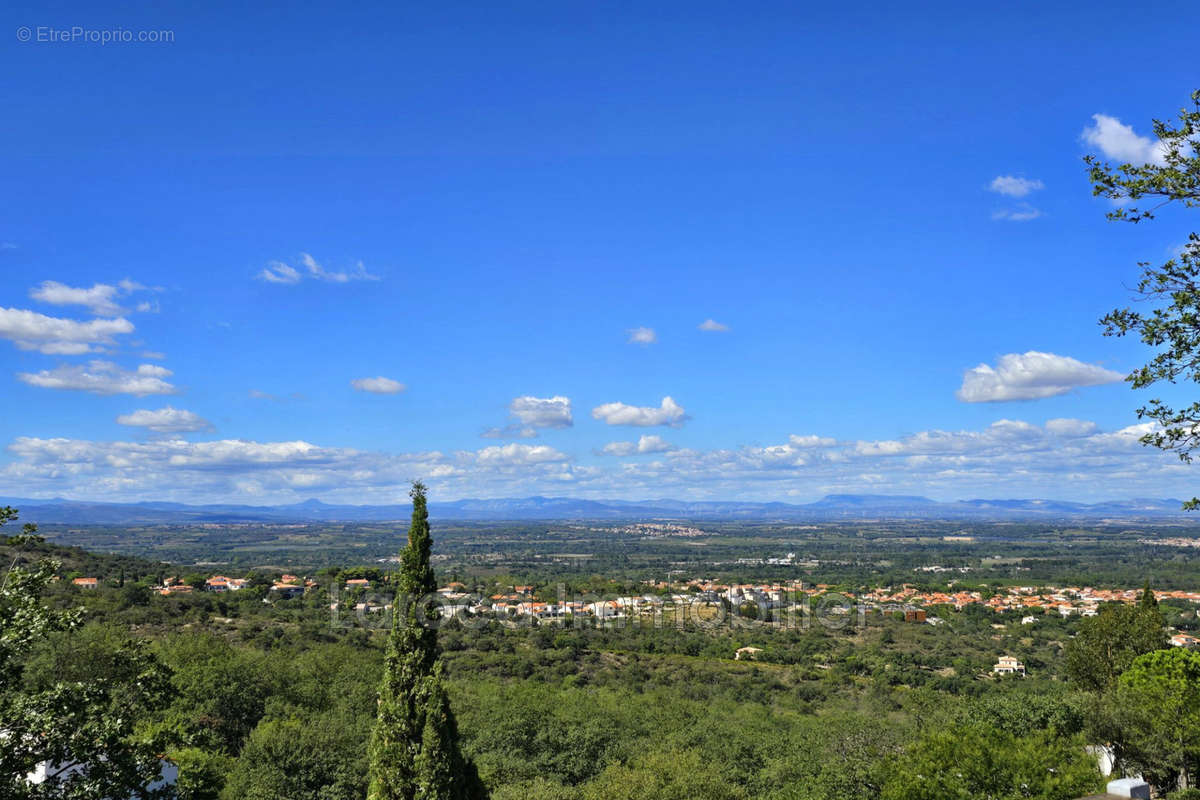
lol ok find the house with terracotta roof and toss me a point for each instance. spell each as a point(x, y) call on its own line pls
point(1185, 640)
point(86, 583)
point(287, 589)
point(604, 609)
point(219, 583)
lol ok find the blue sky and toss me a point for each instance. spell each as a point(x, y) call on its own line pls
point(485, 203)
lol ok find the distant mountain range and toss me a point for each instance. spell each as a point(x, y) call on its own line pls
point(830, 507)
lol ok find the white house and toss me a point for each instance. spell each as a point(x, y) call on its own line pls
point(1185, 640)
point(1007, 665)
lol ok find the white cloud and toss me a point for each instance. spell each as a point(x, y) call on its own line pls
point(378, 385)
point(103, 377)
point(1119, 141)
point(1000, 434)
point(713, 326)
point(166, 420)
point(1030, 376)
point(1010, 458)
point(811, 441)
point(532, 413)
point(542, 412)
point(359, 273)
point(1070, 427)
point(100, 299)
point(1014, 186)
point(1022, 213)
point(30, 330)
point(644, 445)
point(668, 413)
point(172, 467)
point(280, 272)
point(517, 454)
point(642, 336)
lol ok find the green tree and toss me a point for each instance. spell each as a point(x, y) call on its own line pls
point(135, 594)
point(201, 773)
point(1107, 644)
point(978, 761)
point(80, 722)
point(1172, 323)
point(662, 774)
point(414, 751)
point(1148, 600)
point(222, 690)
point(300, 759)
point(1021, 712)
point(1161, 693)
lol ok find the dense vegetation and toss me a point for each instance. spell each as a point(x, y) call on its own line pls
point(273, 698)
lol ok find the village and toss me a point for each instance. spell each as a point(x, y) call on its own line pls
point(699, 599)
point(789, 603)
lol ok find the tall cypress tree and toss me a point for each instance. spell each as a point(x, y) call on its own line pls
point(1148, 600)
point(414, 749)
